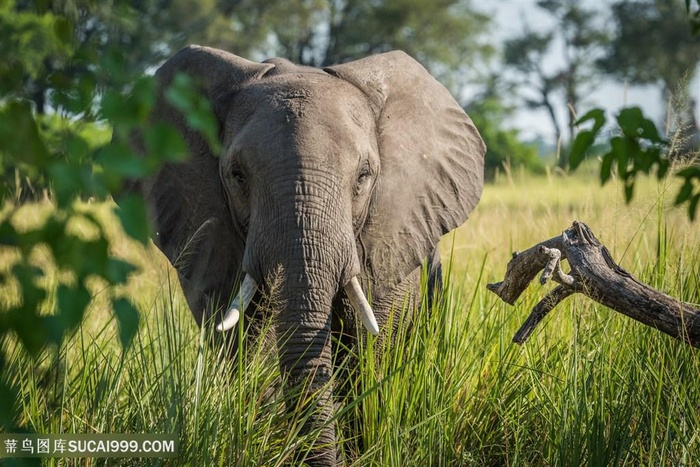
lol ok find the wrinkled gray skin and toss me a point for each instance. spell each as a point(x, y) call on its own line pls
point(357, 169)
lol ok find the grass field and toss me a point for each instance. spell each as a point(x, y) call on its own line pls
point(589, 387)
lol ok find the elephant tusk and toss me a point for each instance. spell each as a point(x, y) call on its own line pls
point(359, 303)
point(239, 304)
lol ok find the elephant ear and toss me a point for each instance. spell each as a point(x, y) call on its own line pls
point(432, 164)
point(186, 200)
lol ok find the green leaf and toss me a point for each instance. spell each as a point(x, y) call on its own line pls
point(182, 92)
point(63, 30)
point(33, 330)
point(83, 257)
point(163, 142)
point(585, 138)
point(77, 148)
point(8, 234)
point(75, 97)
point(127, 319)
point(634, 125)
point(72, 304)
point(647, 130)
point(689, 172)
point(629, 189)
point(606, 167)
point(620, 148)
point(131, 211)
point(597, 115)
point(67, 182)
point(133, 109)
point(24, 319)
point(664, 165)
point(8, 408)
point(20, 135)
point(693, 206)
point(118, 160)
point(646, 158)
point(184, 95)
point(684, 193)
point(27, 276)
point(118, 271)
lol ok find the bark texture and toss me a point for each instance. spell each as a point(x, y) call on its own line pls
point(596, 275)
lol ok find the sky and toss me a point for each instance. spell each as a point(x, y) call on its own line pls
point(512, 15)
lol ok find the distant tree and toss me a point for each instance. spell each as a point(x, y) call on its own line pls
point(537, 86)
point(504, 149)
point(444, 35)
point(135, 36)
point(43, 64)
point(693, 14)
point(669, 56)
point(447, 36)
point(580, 37)
point(652, 44)
point(33, 44)
point(639, 146)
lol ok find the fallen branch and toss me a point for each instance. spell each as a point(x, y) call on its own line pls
point(596, 275)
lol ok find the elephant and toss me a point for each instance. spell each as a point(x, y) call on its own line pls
point(342, 178)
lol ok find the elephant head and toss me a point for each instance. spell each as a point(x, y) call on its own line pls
point(353, 171)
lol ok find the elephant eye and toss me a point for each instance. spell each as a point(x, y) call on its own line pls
point(237, 174)
point(363, 176)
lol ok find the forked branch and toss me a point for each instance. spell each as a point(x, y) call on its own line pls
point(596, 275)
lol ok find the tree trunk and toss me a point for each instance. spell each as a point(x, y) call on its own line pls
point(596, 275)
point(547, 104)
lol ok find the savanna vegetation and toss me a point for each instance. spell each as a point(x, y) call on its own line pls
point(95, 335)
point(590, 386)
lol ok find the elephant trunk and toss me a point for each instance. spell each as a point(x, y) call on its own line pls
point(306, 290)
point(310, 255)
point(304, 332)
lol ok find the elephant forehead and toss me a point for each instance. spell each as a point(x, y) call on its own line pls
point(316, 115)
point(311, 99)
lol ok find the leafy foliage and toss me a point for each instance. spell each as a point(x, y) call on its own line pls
point(74, 158)
point(694, 16)
point(669, 57)
point(672, 55)
point(30, 40)
point(444, 34)
point(690, 191)
point(503, 145)
point(670, 48)
point(637, 148)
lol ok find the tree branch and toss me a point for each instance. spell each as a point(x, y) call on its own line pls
point(596, 275)
point(545, 305)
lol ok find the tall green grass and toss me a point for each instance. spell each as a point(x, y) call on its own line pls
point(589, 387)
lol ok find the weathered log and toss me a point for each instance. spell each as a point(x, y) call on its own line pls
point(596, 275)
